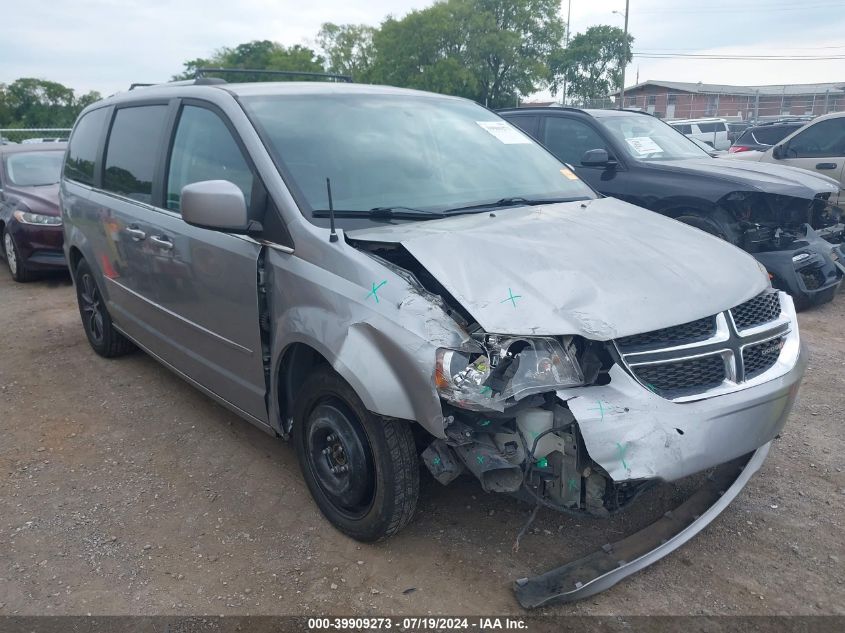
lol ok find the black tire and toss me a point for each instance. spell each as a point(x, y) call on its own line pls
point(17, 268)
point(376, 495)
point(715, 225)
point(96, 321)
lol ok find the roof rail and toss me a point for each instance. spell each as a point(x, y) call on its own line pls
point(202, 72)
point(139, 85)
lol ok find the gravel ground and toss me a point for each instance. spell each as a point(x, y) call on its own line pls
point(125, 491)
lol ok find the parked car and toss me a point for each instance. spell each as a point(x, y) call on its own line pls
point(765, 210)
point(714, 132)
point(762, 137)
point(387, 276)
point(817, 146)
point(43, 140)
point(30, 221)
point(736, 128)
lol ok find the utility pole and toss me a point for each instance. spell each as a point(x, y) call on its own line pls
point(624, 58)
point(568, 14)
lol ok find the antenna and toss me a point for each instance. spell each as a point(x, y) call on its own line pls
point(332, 234)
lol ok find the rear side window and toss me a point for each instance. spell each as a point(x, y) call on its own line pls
point(569, 139)
point(772, 135)
point(204, 149)
point(683, 129)
point(82, 152)
point(706, 127)
point(132, 150)
point(824, 139)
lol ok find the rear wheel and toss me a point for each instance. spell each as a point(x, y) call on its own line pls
point(362, 470)
point(17, 268)
point(102, 335)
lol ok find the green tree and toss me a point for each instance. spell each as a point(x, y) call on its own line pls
point(487, 50)
point(31, 102)
point(348, 49)
point(592, 63)
point(257, 55)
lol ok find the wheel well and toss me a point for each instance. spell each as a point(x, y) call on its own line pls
point(74, 256)
point(298, 361)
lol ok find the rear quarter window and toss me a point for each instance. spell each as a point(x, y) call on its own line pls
point(683, 129)
point(82, 151)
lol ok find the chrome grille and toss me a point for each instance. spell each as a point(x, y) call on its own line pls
point(698, 330)
point(762, 356)
point(683, 377)
point(713, 355)
point(757, 311)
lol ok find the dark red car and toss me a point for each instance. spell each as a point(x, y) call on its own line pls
point(30, 220)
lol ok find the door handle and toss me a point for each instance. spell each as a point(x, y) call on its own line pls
point(135, 233)
point(162, 242)
point(826, 166)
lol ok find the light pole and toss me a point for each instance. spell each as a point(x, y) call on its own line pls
point(624, 56)
point(568, 13)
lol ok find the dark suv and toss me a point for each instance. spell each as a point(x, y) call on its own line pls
point(778, 214)
point(762, 137)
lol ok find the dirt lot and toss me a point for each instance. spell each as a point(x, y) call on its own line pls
point(125, 491)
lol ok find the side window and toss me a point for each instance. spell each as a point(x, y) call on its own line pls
point(82, 151)
point(683, 128)
point(133, 147)
point(706, 128)
point(824, 139)
point(569, 139)
point(204, 149)
point(525, 122)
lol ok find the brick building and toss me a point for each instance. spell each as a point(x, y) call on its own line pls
point(678, 100)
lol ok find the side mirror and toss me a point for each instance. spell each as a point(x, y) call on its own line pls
point(778, 152)
point(215, 204)
point(597, 158)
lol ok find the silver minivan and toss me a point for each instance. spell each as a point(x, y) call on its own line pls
point(389, 277)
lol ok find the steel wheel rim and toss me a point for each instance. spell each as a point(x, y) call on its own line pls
point(91, 305)
point(11, 257)
point(340, 459)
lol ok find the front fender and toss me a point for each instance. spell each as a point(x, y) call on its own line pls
point(384, 349)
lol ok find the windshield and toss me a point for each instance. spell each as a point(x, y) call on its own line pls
point(650, 139)
point(32, 169)
point(410, 152)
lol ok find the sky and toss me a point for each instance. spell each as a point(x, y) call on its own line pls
point(105, 45)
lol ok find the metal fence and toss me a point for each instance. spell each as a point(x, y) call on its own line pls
point(33, 134)
point(754, 106)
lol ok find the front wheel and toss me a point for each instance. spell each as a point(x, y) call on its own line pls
point(362, 470)
point(714, 224)
point(17, 268)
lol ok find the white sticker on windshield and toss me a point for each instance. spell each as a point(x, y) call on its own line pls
point(644, 145)
point(505, 132)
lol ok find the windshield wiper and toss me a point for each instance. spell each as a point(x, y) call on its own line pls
point(383, 213)
point(516, 201)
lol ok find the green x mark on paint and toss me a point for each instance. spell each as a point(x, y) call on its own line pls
point(486, 389)
point(374, 291)
point(485, 423)
point(436, 460)
point(651, 388)
point(542, 462)
point(600, 409)
point(511, 297)
point(622, 451)
point(573, 484)
point(479, 459)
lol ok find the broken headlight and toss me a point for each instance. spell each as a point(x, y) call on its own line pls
point(486, 374)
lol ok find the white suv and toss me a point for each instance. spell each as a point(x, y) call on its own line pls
point(714, 132)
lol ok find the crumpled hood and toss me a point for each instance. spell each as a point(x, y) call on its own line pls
point(755, 176)
point(43, 199)
point(601, 268)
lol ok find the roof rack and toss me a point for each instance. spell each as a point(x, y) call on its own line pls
point(202, 72)
point(139, 85)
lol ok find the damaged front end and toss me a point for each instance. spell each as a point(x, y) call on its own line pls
point(799, 241)
point(585, 427)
